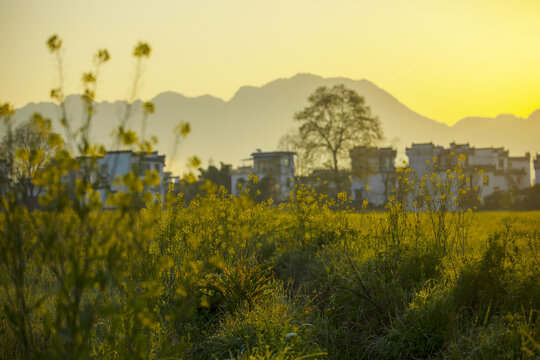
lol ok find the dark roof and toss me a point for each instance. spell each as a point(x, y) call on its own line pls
point(413, 145)
point(426, 143)
point(519, 158)
point(372, 150)
point(270, 154)
point(491, 148)
point(152, 156)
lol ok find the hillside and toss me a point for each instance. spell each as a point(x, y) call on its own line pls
point(256, 117)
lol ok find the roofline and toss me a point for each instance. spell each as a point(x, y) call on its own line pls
point(492, 148)
point(461, 144)
point(272, 153)
point(373, 148)
point(519, 158)
point(118, 151)
point(420, 144)
point(146, 156)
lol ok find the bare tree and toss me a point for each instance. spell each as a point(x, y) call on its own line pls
point(336, 120)
point(26, 150)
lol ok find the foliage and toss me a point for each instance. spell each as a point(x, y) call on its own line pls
point(27, 150)
point(231, 277)
point(335, 121)
point(514, 200)
point(448, 198)
point(219, 177)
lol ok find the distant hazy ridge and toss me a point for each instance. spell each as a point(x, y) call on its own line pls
point(256, 117)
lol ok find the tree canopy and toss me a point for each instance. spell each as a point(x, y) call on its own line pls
point(27, 150)
point(335, 120)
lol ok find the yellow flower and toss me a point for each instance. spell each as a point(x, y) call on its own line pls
point(368, 187)
point(365, 203)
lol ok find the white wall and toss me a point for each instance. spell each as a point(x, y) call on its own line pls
point(376, 194)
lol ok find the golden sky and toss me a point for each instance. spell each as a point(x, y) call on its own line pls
point(443, 59)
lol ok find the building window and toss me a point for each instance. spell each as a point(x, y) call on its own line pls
point(156, 167)
point(501, 163)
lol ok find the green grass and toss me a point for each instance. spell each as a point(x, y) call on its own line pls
point(234, 278)
point(228, 278)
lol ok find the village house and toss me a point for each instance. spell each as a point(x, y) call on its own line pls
point(372, 174)
point(503, 172)
point(420, 154)
point(104, 171)
point(373, 169)
point(278, 166)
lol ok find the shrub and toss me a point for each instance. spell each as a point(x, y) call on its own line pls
point(511, 336)
point(422, 330)
point(274, 328)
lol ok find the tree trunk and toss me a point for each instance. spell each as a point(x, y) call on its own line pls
point(337, 180)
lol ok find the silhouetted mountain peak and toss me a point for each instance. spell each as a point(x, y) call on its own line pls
point(257, 116)
point(535, 115)
point(169, 96)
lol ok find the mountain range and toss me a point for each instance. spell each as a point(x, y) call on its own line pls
point(257, 117)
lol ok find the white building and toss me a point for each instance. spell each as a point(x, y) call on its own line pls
point(503, 171)
point(373, 169)
point(419, 154)
point(106, 171)
point(276, 165)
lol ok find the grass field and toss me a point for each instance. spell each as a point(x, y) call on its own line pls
point(230, 278)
